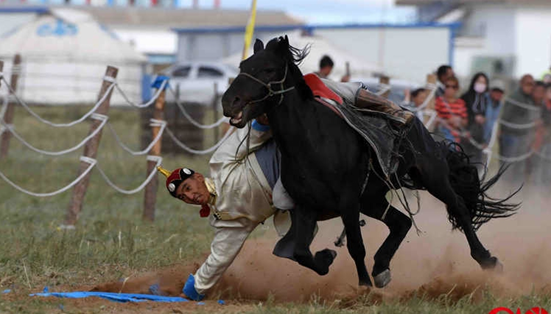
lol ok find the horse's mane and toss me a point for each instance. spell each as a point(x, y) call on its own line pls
point(294, 57)
point(297, 55)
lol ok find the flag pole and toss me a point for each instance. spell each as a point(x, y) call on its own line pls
point(249, 31)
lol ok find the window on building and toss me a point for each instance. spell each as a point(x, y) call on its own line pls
point(208, 72)
point(181, 72)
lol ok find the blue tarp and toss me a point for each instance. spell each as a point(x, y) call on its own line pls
point(112, 296)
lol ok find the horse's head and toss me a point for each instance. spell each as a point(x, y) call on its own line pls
point(263, 80)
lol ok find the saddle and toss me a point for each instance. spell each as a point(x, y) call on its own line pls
point(360, 98)
point(379, 121)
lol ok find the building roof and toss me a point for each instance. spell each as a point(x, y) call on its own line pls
point(67, 35)
point(185, 18)
point(421, 2)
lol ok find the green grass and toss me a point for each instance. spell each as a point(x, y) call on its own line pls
point(111, 240)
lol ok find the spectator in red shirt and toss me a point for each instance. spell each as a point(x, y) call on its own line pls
point(452, 112)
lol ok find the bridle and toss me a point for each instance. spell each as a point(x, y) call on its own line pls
point(268, 86)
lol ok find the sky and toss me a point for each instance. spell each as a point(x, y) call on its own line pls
point(327, 11)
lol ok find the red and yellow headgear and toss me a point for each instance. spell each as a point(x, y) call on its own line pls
point(174, 179)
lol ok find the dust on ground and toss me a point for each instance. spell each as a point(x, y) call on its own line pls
point(434, 263)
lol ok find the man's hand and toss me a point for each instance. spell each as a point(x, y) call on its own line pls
point(189, 290)
point(480, 119)
point(455, 121)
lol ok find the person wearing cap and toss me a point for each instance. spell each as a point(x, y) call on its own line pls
point(243, 191)
point(495, 103)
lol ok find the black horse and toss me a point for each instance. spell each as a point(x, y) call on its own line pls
point(325, 164)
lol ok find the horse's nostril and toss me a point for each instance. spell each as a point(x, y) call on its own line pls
point(236, 99)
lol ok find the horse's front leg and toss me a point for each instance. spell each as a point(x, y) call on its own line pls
point(349, 207)
point(300, 237)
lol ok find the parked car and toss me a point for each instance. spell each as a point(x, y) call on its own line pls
point(195, 81)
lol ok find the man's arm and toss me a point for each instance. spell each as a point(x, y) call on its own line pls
point(234, 149)
point(227, 243)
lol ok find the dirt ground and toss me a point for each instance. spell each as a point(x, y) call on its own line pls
point(435, 262)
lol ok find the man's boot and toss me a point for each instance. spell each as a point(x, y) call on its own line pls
point(368, 101)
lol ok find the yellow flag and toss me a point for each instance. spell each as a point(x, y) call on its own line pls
point(249, 31)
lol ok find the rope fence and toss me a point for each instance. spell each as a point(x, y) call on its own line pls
point(99, 118)
point(91, 162)
point(154, 123)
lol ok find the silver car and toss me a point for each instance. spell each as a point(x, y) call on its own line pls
point(195, 81)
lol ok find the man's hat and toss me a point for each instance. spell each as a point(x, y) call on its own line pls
point(498, 85)
point(174, 179)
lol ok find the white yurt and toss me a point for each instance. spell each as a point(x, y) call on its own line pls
point(65, 54)
point(319, 47)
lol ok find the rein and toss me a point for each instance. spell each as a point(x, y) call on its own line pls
point(268, 86)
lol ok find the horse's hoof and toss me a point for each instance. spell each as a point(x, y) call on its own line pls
point(326, 258)
point(492, 264)
point(498, 268)
point(382, 279)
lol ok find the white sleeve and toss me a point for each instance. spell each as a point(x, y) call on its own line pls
point(225, 246)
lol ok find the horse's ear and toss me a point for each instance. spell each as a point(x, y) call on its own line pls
point(258, 45)
point(283, 44)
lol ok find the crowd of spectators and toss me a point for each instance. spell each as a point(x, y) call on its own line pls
point(522, 115)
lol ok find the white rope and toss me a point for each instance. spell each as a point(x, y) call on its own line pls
point(432, 114)
point(383, 89)
point(190, 118)
point(147, 104)
point(3, 110)
point(91, 161)
point(514, 159)
point(543, 156)
point(433, 88)
point(198, 152)
point(139, 188)
point(516, 125)
point(521, 105)
point(63, 125)
point(96, 116)
point(154, 123)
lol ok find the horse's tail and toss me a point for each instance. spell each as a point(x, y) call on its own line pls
point(466, 183)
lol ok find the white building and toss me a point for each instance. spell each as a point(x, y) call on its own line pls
point(65, 54)
point(500, 37)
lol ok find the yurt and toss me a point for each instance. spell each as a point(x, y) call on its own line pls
point(319, 47)
point(65, 53)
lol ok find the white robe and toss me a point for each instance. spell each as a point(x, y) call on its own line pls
point(244, 200)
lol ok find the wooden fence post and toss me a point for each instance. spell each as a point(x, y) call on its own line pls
point(8, 115)
point(90, 150)
point(431, 81)
point(150, 195)
point(215, 112)
point(385, 80)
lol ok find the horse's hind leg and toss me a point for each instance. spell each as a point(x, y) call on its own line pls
point(436, 180)
point(398, 225)
point(303, 225)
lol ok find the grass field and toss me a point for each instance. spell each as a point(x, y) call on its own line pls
point(112, 242)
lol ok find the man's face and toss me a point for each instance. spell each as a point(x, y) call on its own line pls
point(325, 71)
point(447, 75)
point(538, 94)
point(496, 95)
point(420, 99)
point(193, 190)
point(451, 89)
point(527, 85)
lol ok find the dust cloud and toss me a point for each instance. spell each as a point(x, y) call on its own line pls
point(433, 263)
